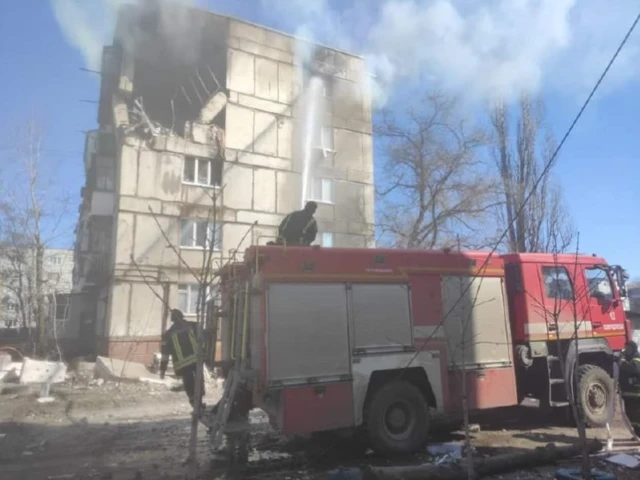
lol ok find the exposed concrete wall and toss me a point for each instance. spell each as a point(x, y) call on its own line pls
point(261, 174)
point(264, 131)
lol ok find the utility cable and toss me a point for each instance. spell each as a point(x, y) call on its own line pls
point(540, 178)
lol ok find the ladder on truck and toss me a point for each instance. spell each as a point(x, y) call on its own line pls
point(236, 376)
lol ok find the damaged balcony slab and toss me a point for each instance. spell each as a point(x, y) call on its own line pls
point(212, 108)
point(183, 147)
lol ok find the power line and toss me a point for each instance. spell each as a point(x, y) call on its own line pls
point(545, 171)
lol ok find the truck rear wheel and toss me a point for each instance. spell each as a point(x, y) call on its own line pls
point(595, 392)
point(397, 418)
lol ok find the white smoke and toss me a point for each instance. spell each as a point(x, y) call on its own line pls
point(88, 25)
point(488, 49)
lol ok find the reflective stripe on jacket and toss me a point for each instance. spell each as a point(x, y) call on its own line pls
point(184, 348)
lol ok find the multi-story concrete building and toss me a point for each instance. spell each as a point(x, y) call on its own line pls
point(18, 285)
point(220, 110)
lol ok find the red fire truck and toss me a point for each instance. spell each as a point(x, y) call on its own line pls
point(378, 340)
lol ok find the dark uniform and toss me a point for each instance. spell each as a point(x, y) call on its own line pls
point(630, 384)
point(180, 342)
point(299, 227)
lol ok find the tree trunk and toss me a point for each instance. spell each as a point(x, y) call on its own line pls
point(41, 314)
point(507, 462)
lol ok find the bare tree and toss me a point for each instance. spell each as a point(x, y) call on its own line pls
point(31, 214)
point(433, 190)
point(542, 224)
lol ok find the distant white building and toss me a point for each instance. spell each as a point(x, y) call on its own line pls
point(17, 284)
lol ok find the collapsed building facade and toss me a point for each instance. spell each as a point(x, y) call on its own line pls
point(201, 139)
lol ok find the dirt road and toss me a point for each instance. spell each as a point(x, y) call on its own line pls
point(141, 431)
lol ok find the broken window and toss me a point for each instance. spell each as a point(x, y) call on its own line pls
point(202, 171)
point(200, 233)
point(321, 190)
point(188, 297)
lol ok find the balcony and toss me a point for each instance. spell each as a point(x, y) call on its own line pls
point(102, 203)
point(99, 267)
point(91, 269)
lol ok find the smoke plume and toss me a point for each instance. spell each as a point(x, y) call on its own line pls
point(88, 25)
point(490, 49)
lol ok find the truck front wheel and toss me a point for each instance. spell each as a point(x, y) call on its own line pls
point(595, 392)
point(397, 418)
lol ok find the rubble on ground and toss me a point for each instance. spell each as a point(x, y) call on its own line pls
point(42, 371)
point(118, 370)
point(5, 360)
point(10, 372)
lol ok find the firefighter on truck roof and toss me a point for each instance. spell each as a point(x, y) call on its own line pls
point(630, 383)
point(180, 342)
point(299, 227)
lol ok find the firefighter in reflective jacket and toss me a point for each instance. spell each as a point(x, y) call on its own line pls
point(299, 227)
point(180, 342)
point(630, 383)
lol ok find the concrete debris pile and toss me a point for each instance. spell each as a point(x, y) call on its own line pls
point(29, 374)
point(42, 372)
point(30, 371)
point(143, 124)
point(113, 369)
point(202, 130)
point(9, 370)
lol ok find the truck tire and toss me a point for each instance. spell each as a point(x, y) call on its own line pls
point(595, 391)
point(397, 419)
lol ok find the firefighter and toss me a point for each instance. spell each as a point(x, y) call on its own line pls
point(630, 383)
point(299, 227)
point(180, 342)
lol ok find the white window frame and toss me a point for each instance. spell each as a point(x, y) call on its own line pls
point(211, 228)
point(190, 289)
point(196, 168)
point(325, 142)
point(55, 260)
point(325, 185)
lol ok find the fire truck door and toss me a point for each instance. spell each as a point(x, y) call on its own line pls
point(606, 310)
point(557, 306)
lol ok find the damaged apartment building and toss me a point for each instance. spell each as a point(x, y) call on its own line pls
point(201, 139)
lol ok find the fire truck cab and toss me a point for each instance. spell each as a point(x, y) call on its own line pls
point(379, 340)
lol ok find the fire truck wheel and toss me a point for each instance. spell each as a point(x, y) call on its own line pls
point(595, 391)
point(397, 418)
